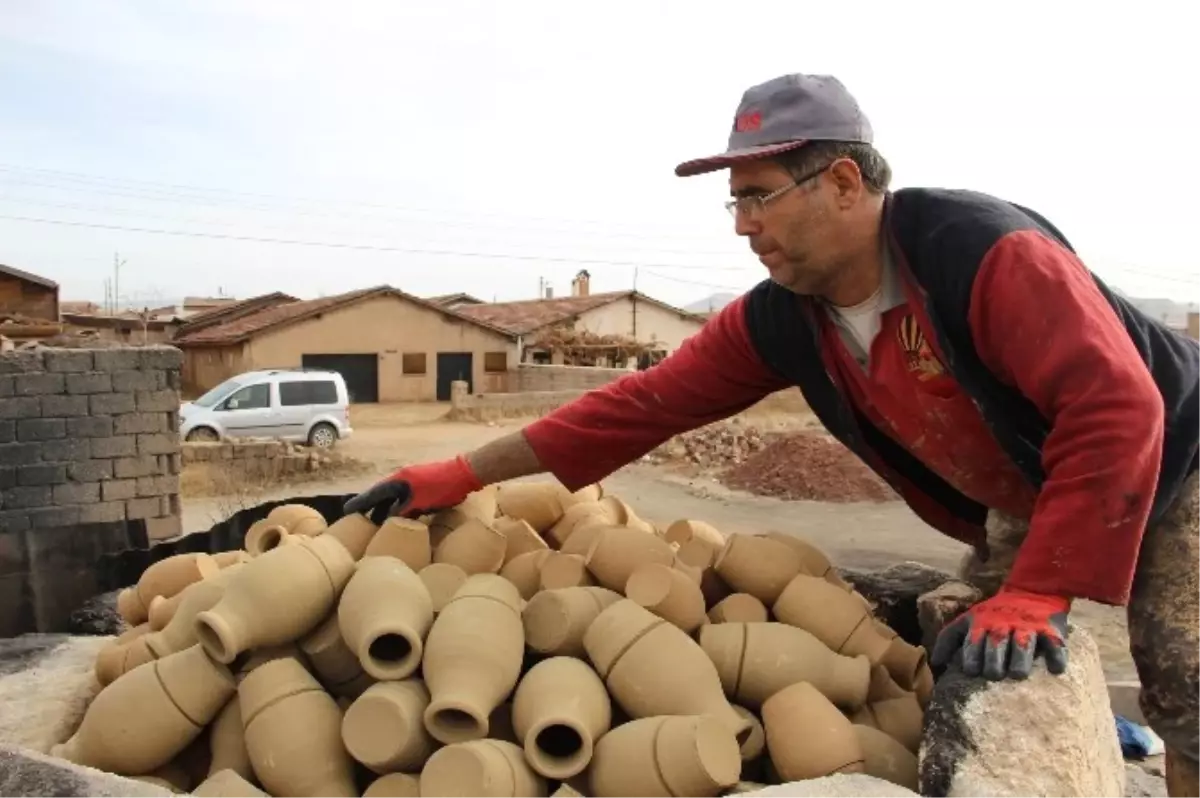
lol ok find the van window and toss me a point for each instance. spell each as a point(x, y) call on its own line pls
point(307, 392)
point(252, 397)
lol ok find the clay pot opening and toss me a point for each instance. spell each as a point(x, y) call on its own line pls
point(558, 750)
point(449, 724)
point(213, 635)
point(392, 654)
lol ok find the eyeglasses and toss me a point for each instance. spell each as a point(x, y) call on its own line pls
point(754, 203)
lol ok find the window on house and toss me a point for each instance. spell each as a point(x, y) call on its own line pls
point(412, 363)
point(495, 362)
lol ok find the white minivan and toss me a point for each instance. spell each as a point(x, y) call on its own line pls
point(304, 405)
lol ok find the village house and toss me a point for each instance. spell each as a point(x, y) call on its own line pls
point(28, 307)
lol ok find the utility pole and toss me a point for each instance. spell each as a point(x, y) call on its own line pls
point(116, 290)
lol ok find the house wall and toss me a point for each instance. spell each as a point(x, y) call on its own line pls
point(21, 297)
point(1193, 325)
point(131, 334)
point(389, 327)
point(208, 366)
point(649, 323)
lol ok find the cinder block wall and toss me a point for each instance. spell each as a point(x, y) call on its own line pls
point(89, 465)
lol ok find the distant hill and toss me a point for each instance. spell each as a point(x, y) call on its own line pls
point(711, 303)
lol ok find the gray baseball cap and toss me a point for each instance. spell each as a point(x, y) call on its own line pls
point(786, 113)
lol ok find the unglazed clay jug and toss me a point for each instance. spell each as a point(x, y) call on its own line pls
point(576, 517)
point(298, 519)
point(332, 661)
point(353, 531)
point(394, 785)
point(757, 565)
point(652, 667)
point(227, 743)
point(738, 608)
point(903, 661)
point(836, 618)
point(224, 559)
point(147, 716)
point(480, 768)
point(537, 503)
point(695, 558)
point(180, 632)
point(403, 538)
point(675, 755)
point(110, 662)
point(560, 709)
point(168, 577)
point(669, 594)
point(475, 547)
point(130, 607)
point(564, 570)
point(385, 730)
point(682, 531)
point(556, 620)
point(228, 784)
point(248, 661)
point(525, 571)
point(757, 660)
point(442, 580)
point(900, 718)
point(277, 597)
point(885, 758)
point(384, 614)
point(923, 685)
point(754, 745)
point(812, 560)
point(580, 542)
point(807, 736)
point(473, 657)
point(618, 551)
point(519, 538)
point(293, 732)
point(883, 685)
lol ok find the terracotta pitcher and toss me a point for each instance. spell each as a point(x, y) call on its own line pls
point(812, 560)
point(394, 785)
point(473, 657)
point(384, 727)
point(175, 698)
point(225, 559)
point(757, 660)
point(130, 607)
point(475, 547)
point(904, 662)
point(885, 758)
point(180, 632)
point(227, 743)
point(442, 580)
point(293, 732)
point(674, 755)
point(298, 519)
point(695, 558)
point(556, 620)
point(110, 662)
point(669, 594)
point(883, 685)
point(276, 598)
point(618, 551)
point(652, 667)
point(757, 565)
point(738, 608)
point(481, 768)
point(403, 538)
point(332, 661)
point(353, 531)
point(576, 517)
point(807, 736)
point(536, 503)
point(228, 784)
point(478, 506)
point(564, 570)
point(519, 538)
point(837, 618)
point(248, 661)
point(166, 578)
point(560, 709)
point(384, 614)
point(580, 542)
point(683, 531)
point(901, 718)
point(525, 571)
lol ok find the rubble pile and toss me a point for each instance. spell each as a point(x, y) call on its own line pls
point(529, 641)
point(711, 447)
point(808, 466)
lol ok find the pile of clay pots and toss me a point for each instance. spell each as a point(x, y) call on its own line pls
point(529, 641)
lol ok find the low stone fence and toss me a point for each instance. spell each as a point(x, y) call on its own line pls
point(257, 458)
point(495, 406)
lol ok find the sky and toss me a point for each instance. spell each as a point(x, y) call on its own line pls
point(481, 146)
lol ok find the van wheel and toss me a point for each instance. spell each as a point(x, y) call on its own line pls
point(322, 436)
point(203, 435)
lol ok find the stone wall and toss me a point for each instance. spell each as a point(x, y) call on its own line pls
point(494, 406)
point(529, 377)
point(252, 457)
point(89, 464)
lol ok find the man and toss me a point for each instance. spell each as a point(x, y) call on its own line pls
point(955, 343)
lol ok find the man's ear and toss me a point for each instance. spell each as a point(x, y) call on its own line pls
point(848, 182)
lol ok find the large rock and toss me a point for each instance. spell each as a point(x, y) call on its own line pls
point(853, 785)
point(1046, 735)
point(46, 684)
point(28, 773)
point(941, 605)
point(894, 592)
point(97, 616)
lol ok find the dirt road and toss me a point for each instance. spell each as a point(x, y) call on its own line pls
point(865, 535)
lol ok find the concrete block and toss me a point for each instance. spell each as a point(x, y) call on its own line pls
point(14, 521)
point(21, 407)
point(111, 404)
point(41, 474)
point(174, 464)
point(89, 382)
point(133, 467)
point(51, 517)
point(37, 384)
point(41, 429)
point(133, 423)
point(69, 360)
point(89, 426)
point(19, 498)
point(102, 512)
point(6, 385)
point(8, 431)
point(173, 380)
point(18, 454)
point(77, 493)
point(8, 478)
point(162, 357)
point(117, 359)
point(135, 380)
point(115, 446)
point(119, 489)
point(71, 450)
point(164, 528)
point(157, 443)
point(21, 362)
point(64, 406)
point(14, 557)
point(141, 508)
point(90, 471)
point(158, 401)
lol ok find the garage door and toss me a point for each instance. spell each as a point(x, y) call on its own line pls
point(361, 373)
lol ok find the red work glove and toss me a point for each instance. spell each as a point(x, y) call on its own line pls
point(416, 489)
point(999, 637)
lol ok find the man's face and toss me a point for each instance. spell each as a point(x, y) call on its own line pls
point(796, 235)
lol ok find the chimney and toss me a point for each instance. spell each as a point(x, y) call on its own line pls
point(580, 286)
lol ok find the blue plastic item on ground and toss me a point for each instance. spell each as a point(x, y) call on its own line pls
point(1137, 741)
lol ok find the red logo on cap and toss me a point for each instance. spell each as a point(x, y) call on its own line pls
point(747, 123)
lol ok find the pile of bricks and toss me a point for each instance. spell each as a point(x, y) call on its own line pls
point(89, 436)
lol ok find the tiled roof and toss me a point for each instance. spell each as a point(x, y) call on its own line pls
point(243, 328)
point(528, 315)
point(12, 271)
point(446, 299)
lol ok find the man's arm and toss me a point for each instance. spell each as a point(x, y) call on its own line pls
point(1041, 324)
point(713, 375)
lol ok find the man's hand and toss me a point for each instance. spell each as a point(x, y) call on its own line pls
point(416, 489)
point(999, 637)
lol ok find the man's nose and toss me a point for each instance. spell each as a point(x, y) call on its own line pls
point(745, 225)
